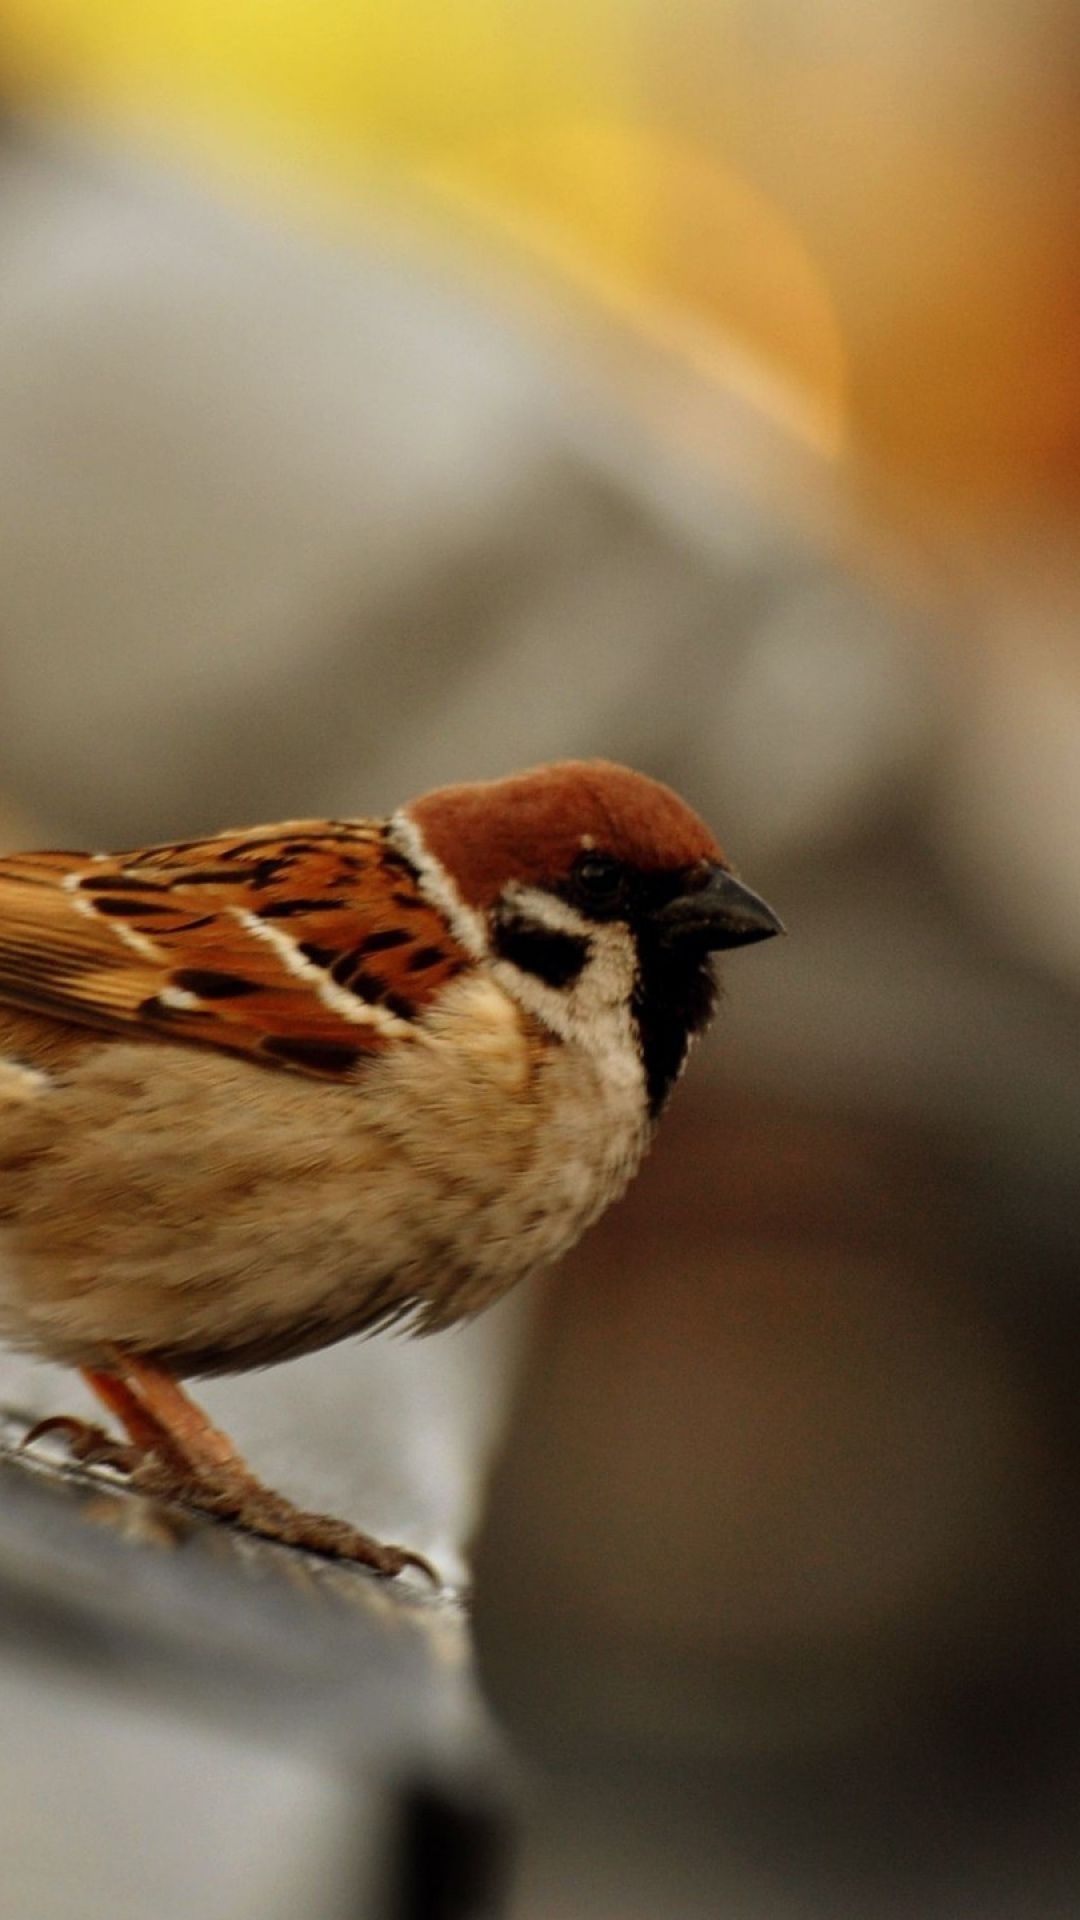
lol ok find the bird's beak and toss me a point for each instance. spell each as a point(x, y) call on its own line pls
point(718, 912)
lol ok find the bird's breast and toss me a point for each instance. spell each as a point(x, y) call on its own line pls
point(537, 1135)
point(193, 1206)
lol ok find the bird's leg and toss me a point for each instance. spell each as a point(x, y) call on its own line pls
point(147, 1434)
point(161, 1418)
point(184, 1457)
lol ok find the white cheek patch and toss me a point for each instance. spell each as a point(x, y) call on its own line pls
point(592, 1012)
point(546, 910)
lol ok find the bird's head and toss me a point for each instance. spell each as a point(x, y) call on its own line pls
point(597, 896)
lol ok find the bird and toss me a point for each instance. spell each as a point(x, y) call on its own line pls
point(286, 1084)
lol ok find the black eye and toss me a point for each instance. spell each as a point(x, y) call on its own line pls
point(599, 884)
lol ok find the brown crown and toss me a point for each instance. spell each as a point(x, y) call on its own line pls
point(530, 826)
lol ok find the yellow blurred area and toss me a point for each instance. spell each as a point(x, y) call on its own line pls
point(872, 204)
point(386, 80)
point(527, 123)
point(683, 247)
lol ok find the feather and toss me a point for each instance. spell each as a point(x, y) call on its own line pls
point(307, 945)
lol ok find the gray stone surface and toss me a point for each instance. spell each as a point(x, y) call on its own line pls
point(199, 1722)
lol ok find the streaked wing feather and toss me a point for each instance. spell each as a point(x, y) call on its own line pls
point(306, 945)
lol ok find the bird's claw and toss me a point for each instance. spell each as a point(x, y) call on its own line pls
point(91, 1445)
point(231, 1493)
point(395, 1560)
point(235, 1494)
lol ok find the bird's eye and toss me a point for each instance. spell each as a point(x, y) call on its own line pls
point(600, 884)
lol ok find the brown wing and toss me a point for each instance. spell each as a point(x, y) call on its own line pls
point(307, 945)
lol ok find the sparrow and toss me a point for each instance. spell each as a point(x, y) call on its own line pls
point(266, 1090)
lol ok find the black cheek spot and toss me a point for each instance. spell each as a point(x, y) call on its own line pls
point(319, 956)
point(210, 985)
point(553, 957)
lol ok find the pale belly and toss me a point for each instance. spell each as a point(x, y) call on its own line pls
point(217, 1215)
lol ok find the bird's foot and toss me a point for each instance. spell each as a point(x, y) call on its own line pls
point(176, 1454)
point(91, 1445)
point(230, 1492)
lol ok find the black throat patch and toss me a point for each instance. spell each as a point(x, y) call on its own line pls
point(674, 998)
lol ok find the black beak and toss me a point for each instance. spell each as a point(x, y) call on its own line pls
point(718, 913)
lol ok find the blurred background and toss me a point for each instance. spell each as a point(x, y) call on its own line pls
point(396, 395)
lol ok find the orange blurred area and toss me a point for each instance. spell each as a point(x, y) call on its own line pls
point(878, 205)
point(535, 131)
